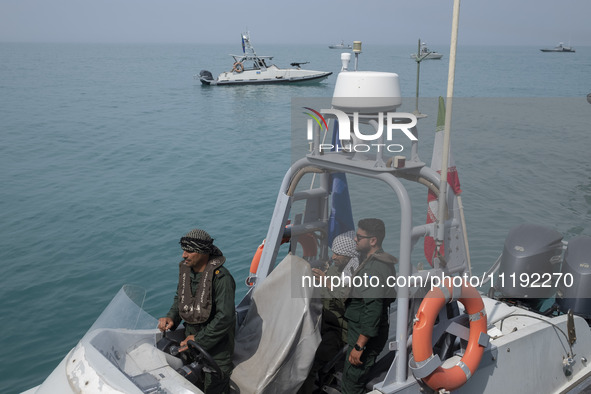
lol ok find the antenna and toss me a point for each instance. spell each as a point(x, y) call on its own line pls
point(419, 58)
point(356, 51)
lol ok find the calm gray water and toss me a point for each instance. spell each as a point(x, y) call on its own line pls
point(110, 153)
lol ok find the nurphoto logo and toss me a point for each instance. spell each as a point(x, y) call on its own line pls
point(357, 141)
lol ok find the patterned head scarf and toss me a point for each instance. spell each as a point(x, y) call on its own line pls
point(199, 241)
point(344, 245)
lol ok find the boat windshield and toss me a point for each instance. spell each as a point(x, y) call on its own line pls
point(253, 62)
point(125, 312)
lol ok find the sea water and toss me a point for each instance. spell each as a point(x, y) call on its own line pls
point(110, 153)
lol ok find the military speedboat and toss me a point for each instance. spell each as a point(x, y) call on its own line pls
point(250, 68)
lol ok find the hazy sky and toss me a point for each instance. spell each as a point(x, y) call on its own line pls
point(482, 22)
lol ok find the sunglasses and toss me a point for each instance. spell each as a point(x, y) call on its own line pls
point(358, 236)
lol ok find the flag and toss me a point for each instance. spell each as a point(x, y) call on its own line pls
point(452, 179)
point(341, 217)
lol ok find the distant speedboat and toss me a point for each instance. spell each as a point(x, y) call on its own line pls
point(559, 48)
point(249, 68)
point(426, 53)
point(340, 46)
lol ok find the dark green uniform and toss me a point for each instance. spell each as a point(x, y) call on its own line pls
point(216, 335)
point(367, 314)
point(333, 309)
point(333, 329)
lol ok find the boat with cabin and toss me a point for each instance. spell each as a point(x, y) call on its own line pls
point(426, 53)
point(342, 45)
point(559, 48)
point(250, 68)
point(444, 335)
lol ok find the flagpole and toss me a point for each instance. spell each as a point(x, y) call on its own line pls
point(442, 209)
point(459, 197)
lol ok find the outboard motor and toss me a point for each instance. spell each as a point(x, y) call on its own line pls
point(574, 289)
point(531, 256)
point(204, 74)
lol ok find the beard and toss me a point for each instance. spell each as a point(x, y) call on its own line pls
point(363, 251)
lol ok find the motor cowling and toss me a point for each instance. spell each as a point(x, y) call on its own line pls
point(204, 74)
point(574, 288)
point(531, 254)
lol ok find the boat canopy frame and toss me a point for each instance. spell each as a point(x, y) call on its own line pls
point(254, 61)
point(325, 164)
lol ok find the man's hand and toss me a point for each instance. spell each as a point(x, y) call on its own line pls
point(355, 357)
point(318, 273)
point(165, 323)
point(184, 345)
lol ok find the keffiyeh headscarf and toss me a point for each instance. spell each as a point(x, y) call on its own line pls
point(199, 241)
point(344, 245)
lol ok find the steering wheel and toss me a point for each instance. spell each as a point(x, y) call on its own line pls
point(202, 357)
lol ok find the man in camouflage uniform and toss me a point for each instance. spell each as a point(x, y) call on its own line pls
point(333, 328)
point(205, 301)
point(367, 306)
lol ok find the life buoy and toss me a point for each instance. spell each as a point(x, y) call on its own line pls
point(422, 348)
point(238, 67)
point(307, 241)
point(254, 264)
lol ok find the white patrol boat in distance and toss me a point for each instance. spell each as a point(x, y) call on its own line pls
point(249, 68)
point(342, 45)
point(559, 48)
point(426, 53)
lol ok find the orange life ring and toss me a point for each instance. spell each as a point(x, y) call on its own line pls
point(238, 67)
point(422, 348)
point(309, 246)
point(254, 264)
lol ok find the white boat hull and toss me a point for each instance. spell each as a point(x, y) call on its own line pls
point(559, 48)
point(432, 55)
point(270, 75)
point(121, 360)
point(518, 338)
